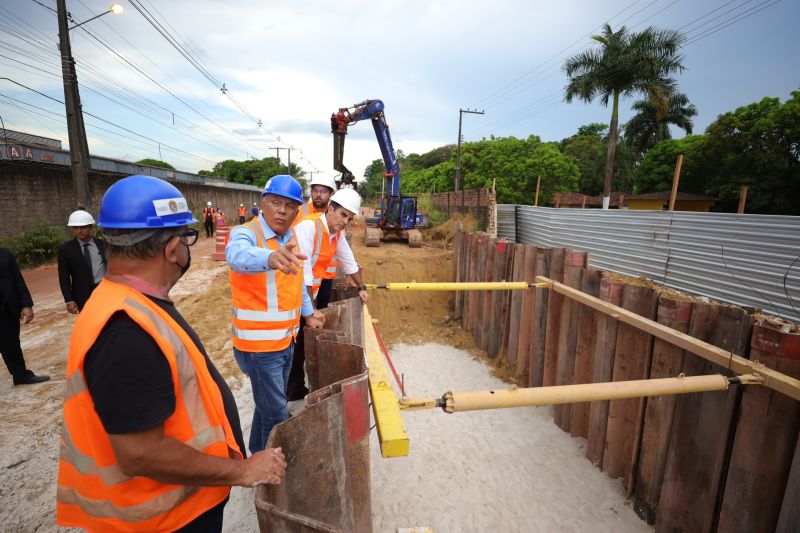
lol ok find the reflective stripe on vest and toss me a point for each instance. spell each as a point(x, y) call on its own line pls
point(324, 254)
point(266, 305)
point(93, 492)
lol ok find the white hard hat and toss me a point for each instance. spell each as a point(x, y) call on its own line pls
point(208, 204)
point(241, 205)
point(327, 181)
point(80, 218)
point(347, 198)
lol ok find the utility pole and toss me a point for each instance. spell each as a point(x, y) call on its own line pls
point(78, 147)
point(278, 152)
point(458, 148)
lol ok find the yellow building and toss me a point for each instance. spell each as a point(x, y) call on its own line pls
point(659, 201)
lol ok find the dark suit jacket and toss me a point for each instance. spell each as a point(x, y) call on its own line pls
point(74, 276)
point(14, 294)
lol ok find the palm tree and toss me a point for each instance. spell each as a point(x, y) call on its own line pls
point(625, 64)
point(650, 126)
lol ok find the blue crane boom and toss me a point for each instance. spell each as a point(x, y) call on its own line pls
point(398, 214)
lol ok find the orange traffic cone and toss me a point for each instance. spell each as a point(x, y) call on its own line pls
point(222, 241)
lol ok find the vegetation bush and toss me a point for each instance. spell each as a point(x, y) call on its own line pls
point(38, 244)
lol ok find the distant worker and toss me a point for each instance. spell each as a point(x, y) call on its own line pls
point(321, 189)
point(209, 215)
point(151, 439)
point(254, 211)
point(221, 218)
point(16, 305)
point(242, 213)
point(321, 236)
point(81, 262)
point(268, 299)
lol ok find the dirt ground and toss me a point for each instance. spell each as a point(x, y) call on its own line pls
point(30, 416)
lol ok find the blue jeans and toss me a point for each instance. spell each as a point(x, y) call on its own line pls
point(269, 374)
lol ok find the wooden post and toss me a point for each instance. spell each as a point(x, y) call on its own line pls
point(583, 201)
point(660, 411)
point(675, 179)
point(518, 252)
point(539, 330)
point(763, 449)
point(574, 263)
point(536, 199)
point(494, 333)
point(526, 315)
point(605, 346)
point(584, 351)
point(699, 450)
point(631, 361)
point(742, 199)
point(553, 319)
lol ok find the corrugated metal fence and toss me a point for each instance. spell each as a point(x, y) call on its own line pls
point(747, 260)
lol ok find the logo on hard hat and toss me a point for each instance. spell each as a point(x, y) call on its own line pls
point(173, 206)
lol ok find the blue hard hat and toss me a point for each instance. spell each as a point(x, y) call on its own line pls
point(286, 186)
point(143, 202)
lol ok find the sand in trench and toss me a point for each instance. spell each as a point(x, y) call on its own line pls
point(498, 470)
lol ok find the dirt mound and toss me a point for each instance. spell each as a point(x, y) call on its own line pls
point(444, 233)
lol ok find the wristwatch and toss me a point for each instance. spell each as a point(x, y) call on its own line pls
point(362, 288)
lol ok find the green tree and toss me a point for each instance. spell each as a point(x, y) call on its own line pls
point(757, 145)
point(650, 126)
point(155, 163)
point(253, 172)
point(588, 150)
point(657, 169)
point(625, 64)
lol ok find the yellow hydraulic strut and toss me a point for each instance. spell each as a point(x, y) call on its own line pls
point(459, 286)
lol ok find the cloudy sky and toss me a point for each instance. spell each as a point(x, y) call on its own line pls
point(291, 64)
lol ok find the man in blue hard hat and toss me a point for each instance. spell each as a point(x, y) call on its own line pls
point(268, 299)
point(151, 437)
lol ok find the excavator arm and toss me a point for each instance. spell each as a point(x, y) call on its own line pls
point(372, 110)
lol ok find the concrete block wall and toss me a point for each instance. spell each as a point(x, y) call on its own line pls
point(31, 193)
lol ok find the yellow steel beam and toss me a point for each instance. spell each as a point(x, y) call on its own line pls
point(392, 433)
point(772, 378)
point(459, 286)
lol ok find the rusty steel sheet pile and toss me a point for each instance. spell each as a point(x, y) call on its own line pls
point(327, 484)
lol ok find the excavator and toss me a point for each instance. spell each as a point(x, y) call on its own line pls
point(398, 214)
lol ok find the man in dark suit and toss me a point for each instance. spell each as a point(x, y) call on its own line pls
point(81, 262)
point(15, 305)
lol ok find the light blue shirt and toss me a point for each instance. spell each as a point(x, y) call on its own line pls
point(244, 255)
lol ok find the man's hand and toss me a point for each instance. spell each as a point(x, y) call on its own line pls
point(26, 315)
point(363, 295)
point(285, 260)
point(316, 321)
point(264, 467)
point(72, 308)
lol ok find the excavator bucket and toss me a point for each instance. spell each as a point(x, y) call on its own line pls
point(326, 487)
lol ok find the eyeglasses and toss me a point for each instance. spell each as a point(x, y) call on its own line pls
point(320, 191)
point(191, 235)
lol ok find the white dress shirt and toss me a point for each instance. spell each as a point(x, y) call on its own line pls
point(305, 232)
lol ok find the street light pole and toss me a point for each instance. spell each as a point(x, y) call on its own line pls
point(458, 146)
point(78, 147)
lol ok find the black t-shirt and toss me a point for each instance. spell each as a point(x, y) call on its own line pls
point(131, 385)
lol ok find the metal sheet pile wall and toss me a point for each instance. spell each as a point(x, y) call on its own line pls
point(713, 461)
point(748, 260)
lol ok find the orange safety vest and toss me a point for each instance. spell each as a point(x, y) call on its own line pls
point(208, 211)
point(93, 493)
point(323, 257)
point(242, 212)
point(266, 305)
